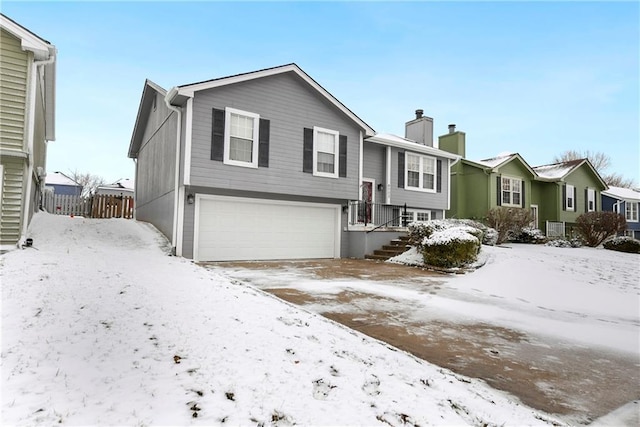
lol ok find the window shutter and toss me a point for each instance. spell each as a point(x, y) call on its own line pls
point(400, 169)
point(522, 194)
point(499, 190)
point(439, 176)
point(342, 158)
point(564, 197)
point(263, 143)
point(217, 135)
point(575, 204)
point(307, 151)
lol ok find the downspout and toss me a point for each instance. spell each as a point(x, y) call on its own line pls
point(174, 237)
point(30, 157)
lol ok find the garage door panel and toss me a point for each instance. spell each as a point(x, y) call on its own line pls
point(246, 229)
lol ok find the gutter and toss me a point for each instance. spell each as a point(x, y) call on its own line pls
point(174, 236)
point(30, 160)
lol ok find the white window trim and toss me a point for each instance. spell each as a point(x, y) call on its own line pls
point(632, 211)
point(591, 197)
point(414, 214)
point(570, 190)
point(227, 138)
point(336, 152)
point(511, 179)
point(421, 173)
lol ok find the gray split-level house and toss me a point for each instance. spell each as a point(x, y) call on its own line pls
point(269, 165)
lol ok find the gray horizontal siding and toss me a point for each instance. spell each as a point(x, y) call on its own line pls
point(159, 212)
point(14, 65)
point(290, 105)
point(375, 166)
point(417, 199)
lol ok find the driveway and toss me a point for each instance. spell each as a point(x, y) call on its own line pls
point(575, 381)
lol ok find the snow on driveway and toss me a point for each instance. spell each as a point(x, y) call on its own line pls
point(100, 326)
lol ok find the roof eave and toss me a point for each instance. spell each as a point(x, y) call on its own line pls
point(142, 115)
point(413, 146)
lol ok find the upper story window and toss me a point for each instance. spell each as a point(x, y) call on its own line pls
point(511, 191)
point(241, 138)
point(420, 173)
point(591, 200)
point(570, 197)
point(325, 152)
point(631, 211)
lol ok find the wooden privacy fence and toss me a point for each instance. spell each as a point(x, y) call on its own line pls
point(98, 206)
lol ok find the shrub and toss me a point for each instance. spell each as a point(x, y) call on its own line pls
point(564, 243)
point(451, 248)
point(623, 244)
point(530, 235)
point(508, 222)
point(596, 227)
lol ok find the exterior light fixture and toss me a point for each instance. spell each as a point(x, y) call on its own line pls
point(190, 198)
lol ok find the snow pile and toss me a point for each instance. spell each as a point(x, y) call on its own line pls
point(450, 235)
point(101, 327)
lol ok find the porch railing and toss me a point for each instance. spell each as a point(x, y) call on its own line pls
point(555, 229)
point(377, 214)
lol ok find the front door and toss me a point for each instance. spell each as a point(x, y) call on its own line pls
point(534, 216)
point(366, 207)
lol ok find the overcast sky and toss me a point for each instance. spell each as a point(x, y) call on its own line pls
point(533, 78)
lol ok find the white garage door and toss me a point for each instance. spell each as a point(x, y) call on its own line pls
point(232, 228)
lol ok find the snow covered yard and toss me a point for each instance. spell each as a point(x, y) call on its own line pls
point(101, 327)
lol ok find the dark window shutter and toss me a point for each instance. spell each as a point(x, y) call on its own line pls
point(263, 143)
point(307, 151)
point(439, 176)
point(522, 202)
point(217, 135)
point(400, 169)
point(575, 206)
point(586, 199)
point(564, 197)
point(342, 159)
point(499, 190)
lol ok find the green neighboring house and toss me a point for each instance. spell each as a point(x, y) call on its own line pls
point(27, 111)
point(556, 194)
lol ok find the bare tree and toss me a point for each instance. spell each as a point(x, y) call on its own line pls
point(88, 181)
point(601, 162)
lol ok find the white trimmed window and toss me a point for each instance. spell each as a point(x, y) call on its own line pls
point(591, 200)
point(241, 138)
point(631, 212)
point(420, 173)
point(418, 215)
point(569, 200)
point(511, 191)
point(325, 152)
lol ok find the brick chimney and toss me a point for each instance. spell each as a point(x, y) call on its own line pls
point(420, 129)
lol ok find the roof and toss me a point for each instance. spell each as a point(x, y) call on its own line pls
point(495, 163)
point(179, 94)
point(146, 103)
point(121, 184)
point(58, 178)
point(559, 171)
point(408, 144)
point(622, 193)
point(42, 51)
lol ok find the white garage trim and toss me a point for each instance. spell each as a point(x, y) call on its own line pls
point(331, 213)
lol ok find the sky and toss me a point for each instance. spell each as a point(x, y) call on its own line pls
point(154, 339)
point(536, 78)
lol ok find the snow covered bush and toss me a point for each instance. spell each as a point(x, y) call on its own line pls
point(447, 243)
point(596, 227)
point(564, 243)
point(623, 244)
point(529, 235)
point(508, 222)
point(451, 248)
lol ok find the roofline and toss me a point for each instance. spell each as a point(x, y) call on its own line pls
point(30, 41)
point(412, 146)
point(617, 197)
point(508, 159)
point(138, 128)
point(573, 168)
point(189, 90)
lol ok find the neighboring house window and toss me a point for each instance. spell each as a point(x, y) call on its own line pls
point(241, 138)
point(591, 200)
point(631, 212)
point(325, 152)
point(570, 201)
point(420, 172)
point(511, 191)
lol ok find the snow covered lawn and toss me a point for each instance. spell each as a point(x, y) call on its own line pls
point(100, 326)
